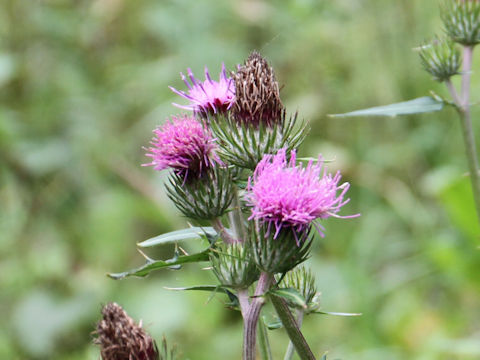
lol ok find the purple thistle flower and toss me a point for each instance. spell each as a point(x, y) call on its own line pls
point(184, 145)
point(292, 196)
point(208, 96)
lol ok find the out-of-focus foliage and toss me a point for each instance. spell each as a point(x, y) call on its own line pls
point(83, 83)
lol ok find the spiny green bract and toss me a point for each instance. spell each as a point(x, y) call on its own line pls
point(233, 265)
point(203, 199)
point(441, 59)
point(302, 280)
point(282, 253)
point(244, 145)
point(461, 19)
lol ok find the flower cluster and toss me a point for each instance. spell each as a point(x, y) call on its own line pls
point(287, 195)
point(233, 155)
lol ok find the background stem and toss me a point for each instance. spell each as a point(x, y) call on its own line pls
point(463, 105)
point(236, 217)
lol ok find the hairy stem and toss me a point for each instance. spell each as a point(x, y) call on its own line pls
point(220, 229)
point(291, 349)
point(243, 300)
point(294, 333)
point(463, 105)
point(250, 320)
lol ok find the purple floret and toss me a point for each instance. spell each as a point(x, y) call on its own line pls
point(208, 96)
point(287, 195)
point(184, 145)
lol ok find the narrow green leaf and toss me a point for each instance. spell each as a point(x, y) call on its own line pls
point(274, 325)
point(212, 288)
point(292, 296)
point(335, 313)
point(416, 106)
point(152, 265)
point(174, 236)
point(324, 357)
point(291, 327)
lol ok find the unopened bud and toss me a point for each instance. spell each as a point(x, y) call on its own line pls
point(203, 199)
point(302, 280)
point(461, 19)
point(441, 59)
point(233, 265)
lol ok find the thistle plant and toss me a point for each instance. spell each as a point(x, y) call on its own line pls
point(233, 163)
point(442, 59)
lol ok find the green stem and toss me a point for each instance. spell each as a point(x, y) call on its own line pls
point(236, 217)
point(290, 349)
point(463, 106)
point(220, 229)
point(243, 300)
point(263, 340)
point(294, 333)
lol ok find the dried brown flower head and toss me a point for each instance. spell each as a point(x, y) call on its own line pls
point(257, 93)
point(120, 338)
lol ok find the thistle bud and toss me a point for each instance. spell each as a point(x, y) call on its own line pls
point(257, 93)
point(302, 280)
point(461, 19)
point(120, 338)
point(441, 59)
point(206, 198)
point(233, 265)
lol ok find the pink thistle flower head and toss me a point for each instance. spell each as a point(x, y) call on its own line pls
point(287, 195)
point(209, 96)
point(184, 145)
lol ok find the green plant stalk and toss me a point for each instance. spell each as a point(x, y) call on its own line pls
point(236, 217)
point(220, 229)
point(243, 297)
point(294, 333)
point(250, 320)
point(291, 349)
point(464, 111)
point(265, 351)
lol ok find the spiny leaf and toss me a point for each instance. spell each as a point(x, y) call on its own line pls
point(174, 236)
point(274, 325)
point(335, 313)
point(292, 296)
point(152, 265)
point(212, 288)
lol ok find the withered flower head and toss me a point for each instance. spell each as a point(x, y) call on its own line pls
point(120, 338)
point(257, 93)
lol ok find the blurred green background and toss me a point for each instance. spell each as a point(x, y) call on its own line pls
point(83, 83)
